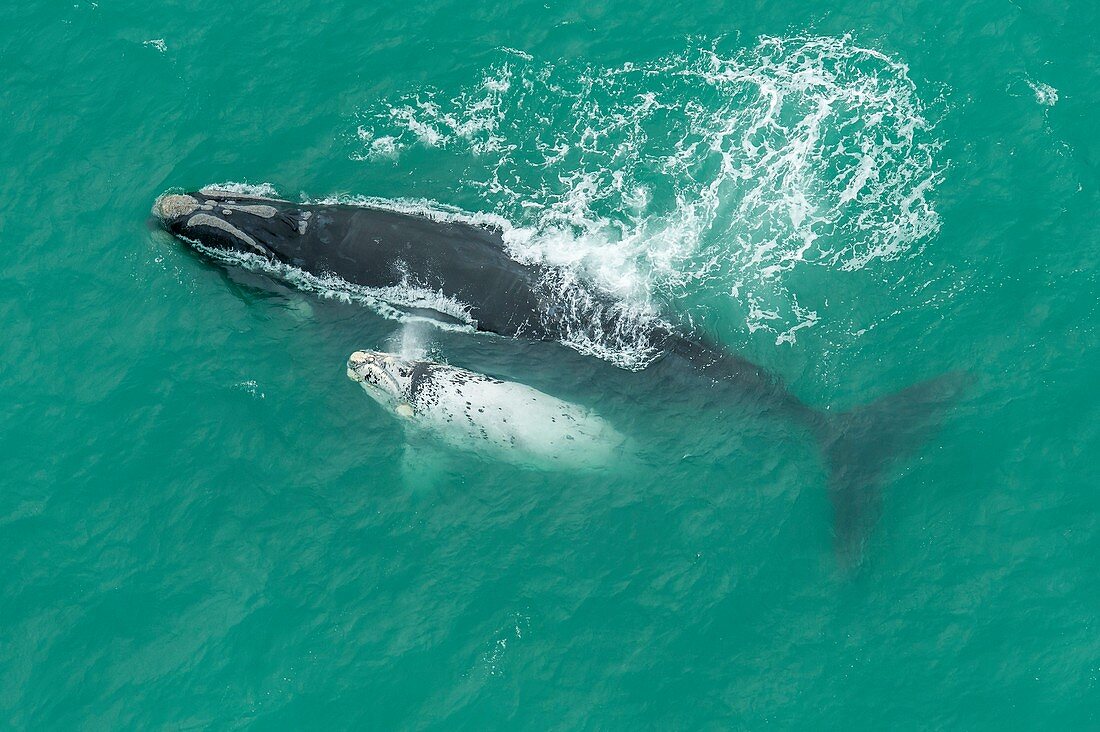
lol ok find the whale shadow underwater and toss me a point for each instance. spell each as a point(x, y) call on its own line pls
point(459, 275)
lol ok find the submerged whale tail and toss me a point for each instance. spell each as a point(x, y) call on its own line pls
point(859, 445)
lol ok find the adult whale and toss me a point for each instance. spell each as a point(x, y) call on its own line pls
point(388, 252)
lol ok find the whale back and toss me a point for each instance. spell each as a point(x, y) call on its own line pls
point(469, 262)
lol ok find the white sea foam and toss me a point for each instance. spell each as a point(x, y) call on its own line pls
point(1044, 93)
point(265, 190)
point(703, 176)
point(400, 302)
point(250, 387)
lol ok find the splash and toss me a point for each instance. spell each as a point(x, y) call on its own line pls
point(700, 180)
point(401, 303)
point(250, 387)
point(412, 341)
point(265, 190)
point(1045, 94)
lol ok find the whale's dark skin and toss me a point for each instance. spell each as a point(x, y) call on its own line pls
point(380, 248)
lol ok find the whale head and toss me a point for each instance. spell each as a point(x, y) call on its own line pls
point(386, 377)
point(221, 221)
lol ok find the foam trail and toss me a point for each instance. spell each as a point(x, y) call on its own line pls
point(706, 180)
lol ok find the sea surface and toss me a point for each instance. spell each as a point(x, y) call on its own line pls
point(204, 524)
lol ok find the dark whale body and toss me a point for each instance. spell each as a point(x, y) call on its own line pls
point(381, 248)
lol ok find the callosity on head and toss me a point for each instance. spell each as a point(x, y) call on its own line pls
point(386, 377)
point(233, 222)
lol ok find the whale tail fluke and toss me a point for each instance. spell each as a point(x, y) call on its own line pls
point(860, 445)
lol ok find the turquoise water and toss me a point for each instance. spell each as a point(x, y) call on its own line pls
point(206, 524)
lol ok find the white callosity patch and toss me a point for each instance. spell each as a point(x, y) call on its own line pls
point(473, 411)
point(702, 176)
point(202, 219)
point(262, 211)
point(174, 205)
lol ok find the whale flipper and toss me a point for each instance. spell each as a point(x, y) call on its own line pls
point(860, 445)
